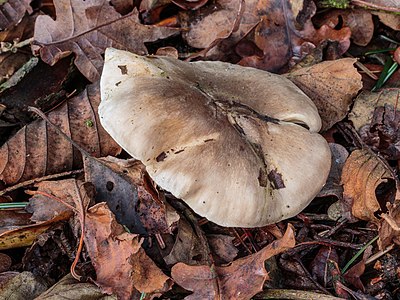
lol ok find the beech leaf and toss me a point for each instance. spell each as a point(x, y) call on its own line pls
point(241, 280)
point(87, 28)
point(362, 173)
point(37, 149)
point(331, 85)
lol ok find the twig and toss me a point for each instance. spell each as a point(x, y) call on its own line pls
point(40, 179)
point(293, 294)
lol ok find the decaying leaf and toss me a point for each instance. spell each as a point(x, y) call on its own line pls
point(87, 28)
point(377, 118)
point(127, 189)
point(222, 248)
point(122, 266)
point(187, 247)
point(389, 19)
point(362, 173)
point(319, 265)
point(359, 21)
point(38, 150)
point(354, 273)
point(240, 280)
point(390, 225)
point(70, 288)
point(12, 11)
point(24, 285)
point(45, 208)
point(331, 85)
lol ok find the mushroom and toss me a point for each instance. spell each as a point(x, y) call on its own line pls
point(239, 145)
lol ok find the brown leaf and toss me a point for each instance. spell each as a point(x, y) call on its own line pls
point(45, 208)
point(362, 174)
point(127, 189)
point(390, 225)
point(38, 150)
point(87, 29)
point(25, 285)
point(12, 11)
point(384, 5)
point(122, 266)
point(359, 21)
point(319, 265)
point(5, 262)
point(354, 273)
point(241, 280)
point(331, 85)
point(222, 248)
point(188, 248)
point(391, 20)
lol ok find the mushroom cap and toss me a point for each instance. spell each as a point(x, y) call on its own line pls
point(228, 140)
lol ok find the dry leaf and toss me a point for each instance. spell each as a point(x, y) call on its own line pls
point(87, 28)
point(222, 248)
point(188, 248)
point(354, 273)
point(12, 11)
point(359, 21)
point(45, 208)
point(331, 85)
point(241, 280)
point(128, 191)
point(38, 150)
point(362, 173)
point(384, 5)
point(25, 285)
point(390, 225)
point(391, 20)
point(319, 265)
point(70, 288)
point(122, 267)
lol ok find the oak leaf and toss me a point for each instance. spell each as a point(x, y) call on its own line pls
point(122, 266)
point(331, 85)
point(37, 149)
point(87, 28)
point(241, 280)
point(362, 173)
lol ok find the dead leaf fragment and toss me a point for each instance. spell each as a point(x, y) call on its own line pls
point(240, 280)
point(23, 286)
point(362, 174)
point(87, 29)
point(122, 267)
point(354, 273)
point(331, 85)
point(12, 11)
point(38, 150)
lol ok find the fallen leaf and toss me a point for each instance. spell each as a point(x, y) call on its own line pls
point(44, 208)
point(355, 272)
point(38, 150)
point(126, 188)
point(331, 85)
point(25, 285)
point(241, 280)
point(376, 116)
point(389, 19)
point(319, 265)
point(392, 6)
point(12, 11)
point(362, 173)
point(187, 248)
point(390, 225)
point(5, 262)
point(222, 248)
point(87, 29)
point(24, 236)
point(359, 21)
point(122, 267)
point(70, 288)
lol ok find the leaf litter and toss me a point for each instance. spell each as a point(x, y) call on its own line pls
point(155, 244)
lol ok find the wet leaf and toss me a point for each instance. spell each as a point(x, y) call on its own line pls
point(240, 280)
point(362, 173)
point(87, 29)
point(130, 195)
point(38, 150)
point(12, 11)
point(331, 85)
point(122, 266)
